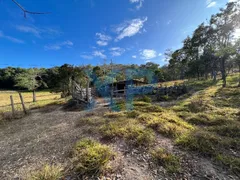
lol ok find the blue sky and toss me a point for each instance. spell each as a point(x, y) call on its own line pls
point(87, 31)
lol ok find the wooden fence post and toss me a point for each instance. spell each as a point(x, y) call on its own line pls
point(12, 104)
point(23, 105)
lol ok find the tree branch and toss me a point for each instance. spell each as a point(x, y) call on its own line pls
point(26, 11)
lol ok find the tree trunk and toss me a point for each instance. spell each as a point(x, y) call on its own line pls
point(214, 76)
point(239, 75)
point(223, 70)
point(34, 96)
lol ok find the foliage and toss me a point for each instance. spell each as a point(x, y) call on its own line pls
point(31, 79)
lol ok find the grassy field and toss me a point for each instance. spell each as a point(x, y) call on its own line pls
point(43, 98)
point(206, 121)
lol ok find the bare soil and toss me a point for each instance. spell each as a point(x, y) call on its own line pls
point(48, 137)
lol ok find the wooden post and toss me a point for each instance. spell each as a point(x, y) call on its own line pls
point(23, 105)
point(12, 104)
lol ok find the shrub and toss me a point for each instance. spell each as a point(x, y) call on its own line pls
point(46, 173)
point(90, 156)
point(166, 159)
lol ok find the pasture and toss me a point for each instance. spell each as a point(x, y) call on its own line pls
point(43, 98)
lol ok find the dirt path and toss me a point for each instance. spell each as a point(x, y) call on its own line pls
point(47, 136)
point(37, 139)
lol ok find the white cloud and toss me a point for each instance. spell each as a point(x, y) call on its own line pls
point(84, 56)
point(116, 51)
point(102, 43)
point(148, 54)
point(59, 46)
point(103, 39)
point(130, 28)
point(138, 2)
point(15, 40)
point(160, 54)
point(38, 32)
point(134, 56)
point(99, 54)
point(210, 3)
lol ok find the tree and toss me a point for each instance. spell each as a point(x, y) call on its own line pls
point(224, 25)
point(30, 79)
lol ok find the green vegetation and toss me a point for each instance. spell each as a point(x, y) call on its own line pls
point(232, 163)
point(90, 157)
point(166, 159)
point(48, 172)
point(130, 130)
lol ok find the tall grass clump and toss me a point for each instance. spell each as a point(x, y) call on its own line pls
point(90, 157)
point(48, 172)
point(169, 161)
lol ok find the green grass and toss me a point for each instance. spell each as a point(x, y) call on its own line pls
point(129, 130)
point(48, 172)
point(169, 161)
point(232, 162)
point(91, 157)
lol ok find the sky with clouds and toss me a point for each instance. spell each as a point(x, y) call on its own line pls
point(88, 31)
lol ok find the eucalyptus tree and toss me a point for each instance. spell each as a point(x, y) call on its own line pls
point(224, 24)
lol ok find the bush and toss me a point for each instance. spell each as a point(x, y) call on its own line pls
point(90, 157)
point(166, 159)
point(46, 173)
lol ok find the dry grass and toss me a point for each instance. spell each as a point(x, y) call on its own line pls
point(43, 98)
point(46, 173)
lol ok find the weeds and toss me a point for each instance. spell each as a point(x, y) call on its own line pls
point(232, 163)
point(166, 159)
point(130, 130)
point(90, 157)
point(46, 173)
